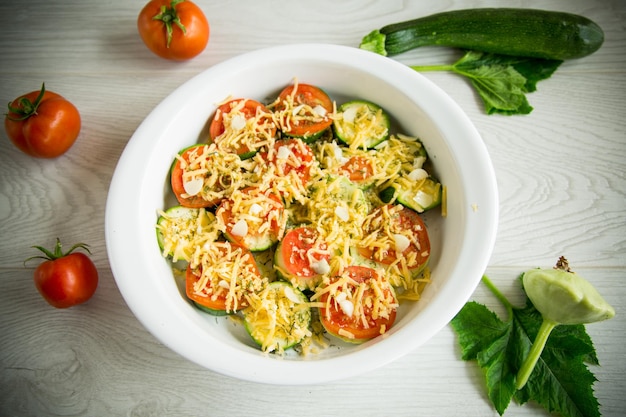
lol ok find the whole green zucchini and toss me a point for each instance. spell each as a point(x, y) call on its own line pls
point(507, 31)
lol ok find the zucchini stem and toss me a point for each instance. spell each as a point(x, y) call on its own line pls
point(425, 68)
point(498, 294)
point(535, 352)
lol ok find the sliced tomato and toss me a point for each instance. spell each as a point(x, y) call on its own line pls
point(311, 128)
point(214, 298)
point(366, 321)
point(394, 220)
point(249, 110)
point(358, 168)
point(252, 218)
point(291, 155)
point(301, 257)
point(218, 182)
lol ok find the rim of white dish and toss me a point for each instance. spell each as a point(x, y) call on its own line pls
point(174, 330)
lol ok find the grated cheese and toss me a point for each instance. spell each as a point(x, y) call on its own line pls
point(314, 186)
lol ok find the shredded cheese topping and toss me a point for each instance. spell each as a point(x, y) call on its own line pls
point(363, 301)
point(226, 271)
point(290, 111)
point(359, 124)
point(278, 317)
point(243, 133)
point(289, 184)
point(182, 231)
point(215, 174)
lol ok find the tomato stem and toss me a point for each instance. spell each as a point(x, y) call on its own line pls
point(26, 108)
point(168, 16)
point(58, 251)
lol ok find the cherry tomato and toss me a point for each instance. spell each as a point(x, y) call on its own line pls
point(173, 29)
point(42, 123)
point(65, 279)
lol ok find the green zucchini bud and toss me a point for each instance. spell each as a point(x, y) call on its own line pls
point(564, 297)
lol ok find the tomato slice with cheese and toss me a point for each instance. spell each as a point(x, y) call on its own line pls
point(302, 257)
point(223, 277)
point(357, 305)
point(396, 236)
point(202, 176)
point(252, 217)
point(287, 168)
point(358, 169)
point(242, 126)
point(304, 111)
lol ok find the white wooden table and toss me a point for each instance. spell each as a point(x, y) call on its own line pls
point(560, 172)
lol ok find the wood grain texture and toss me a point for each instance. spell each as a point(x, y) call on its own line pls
point(560, 173)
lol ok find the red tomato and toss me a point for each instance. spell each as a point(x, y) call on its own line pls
point(296, 253)
point(311, 96)
point(300, 159)
point(173, 29)
point(358, 169)
point(65, 279)
point(398, 219)
point(216, 299)
point(249, 110)
point(213, 190)
point(261, 234)
point(176, 180)
point(365, 323)
point(42, 124)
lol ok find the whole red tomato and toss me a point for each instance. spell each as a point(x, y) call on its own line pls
point(173, 29)
point(42, 123)
point(65, 279)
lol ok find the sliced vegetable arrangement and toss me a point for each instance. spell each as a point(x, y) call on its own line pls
point(281, 219)
point(507, 50)
point(540, 353)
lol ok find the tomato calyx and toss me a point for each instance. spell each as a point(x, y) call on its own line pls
point(168, 16)
point(26, 108)
point(58, 251)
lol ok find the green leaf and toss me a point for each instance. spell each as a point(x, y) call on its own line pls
point(501, 87)
point(487, 339)
point(560, 382)
point(501, 81)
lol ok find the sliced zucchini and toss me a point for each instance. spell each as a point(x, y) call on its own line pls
point(419, 195)
point(361, 124)
point(278, 317)
point(180, 230)
point(211, 311)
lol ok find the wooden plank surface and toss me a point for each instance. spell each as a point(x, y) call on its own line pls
point(560, 172)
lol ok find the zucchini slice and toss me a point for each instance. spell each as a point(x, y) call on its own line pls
point(418, 195)
point(361, 124)
point(181, 229)
point(211, 311)
point(278, 317)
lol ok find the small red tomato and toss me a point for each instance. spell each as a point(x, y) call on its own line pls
point(173, 29)
point(65, 279)
point(42, 123)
